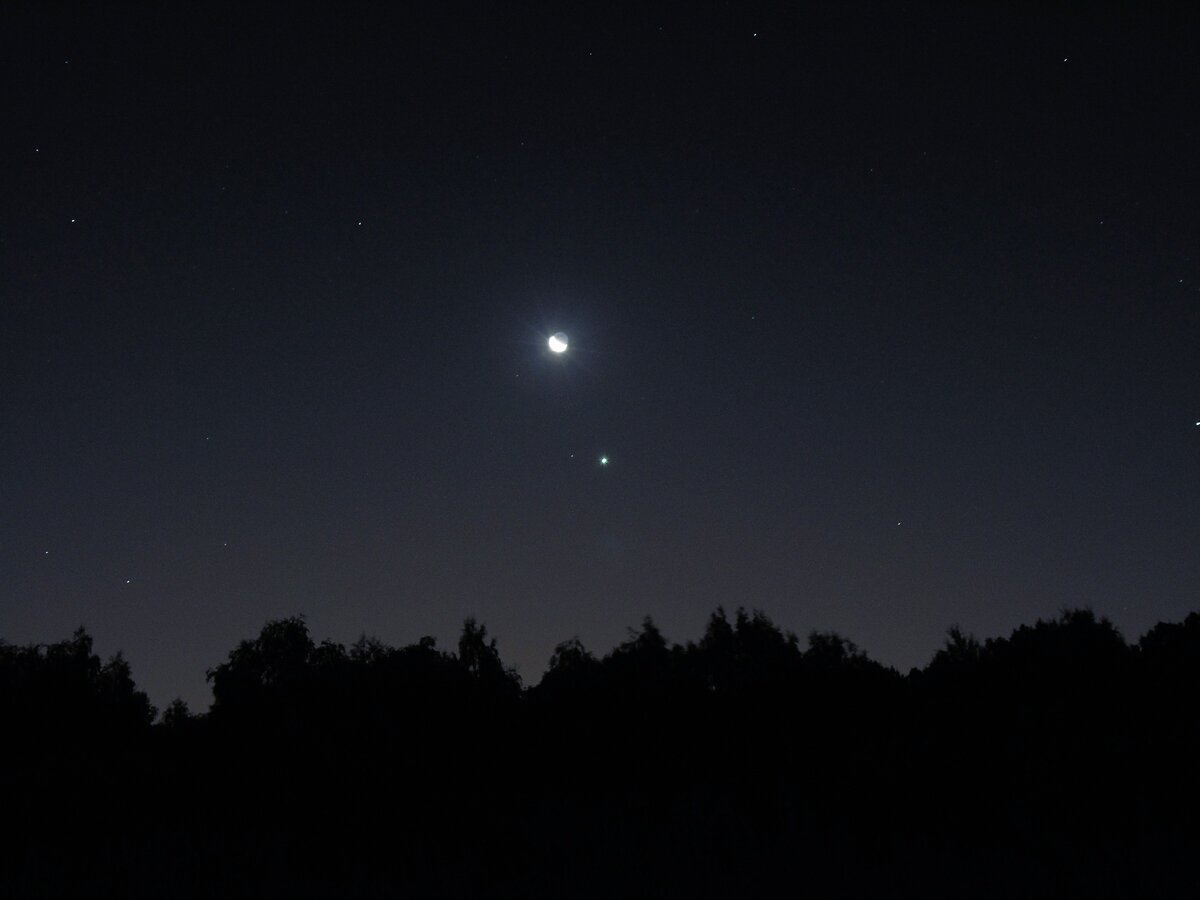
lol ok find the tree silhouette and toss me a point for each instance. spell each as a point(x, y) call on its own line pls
point(1173, 648)
point(570, 656)
point(53, 693)
point(276, 660)
point(482, 660)
point(1056, 760)
point(177, 715)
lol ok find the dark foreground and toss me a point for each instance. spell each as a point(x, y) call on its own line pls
point(1058, 762)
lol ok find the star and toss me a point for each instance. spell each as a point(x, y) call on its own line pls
point(604, 459)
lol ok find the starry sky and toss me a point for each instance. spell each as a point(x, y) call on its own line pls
point(885, 316)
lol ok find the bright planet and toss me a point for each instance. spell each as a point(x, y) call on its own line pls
point(558, 342)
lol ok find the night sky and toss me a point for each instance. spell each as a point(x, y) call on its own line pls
point(885, 318)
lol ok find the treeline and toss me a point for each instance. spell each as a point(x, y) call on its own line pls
point(1058, 761)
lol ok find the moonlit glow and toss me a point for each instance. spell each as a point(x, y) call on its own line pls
point(558, 342)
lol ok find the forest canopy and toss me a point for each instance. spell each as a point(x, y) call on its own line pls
point(1061, 754)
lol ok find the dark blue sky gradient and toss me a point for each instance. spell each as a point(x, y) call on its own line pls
point(886, 318)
